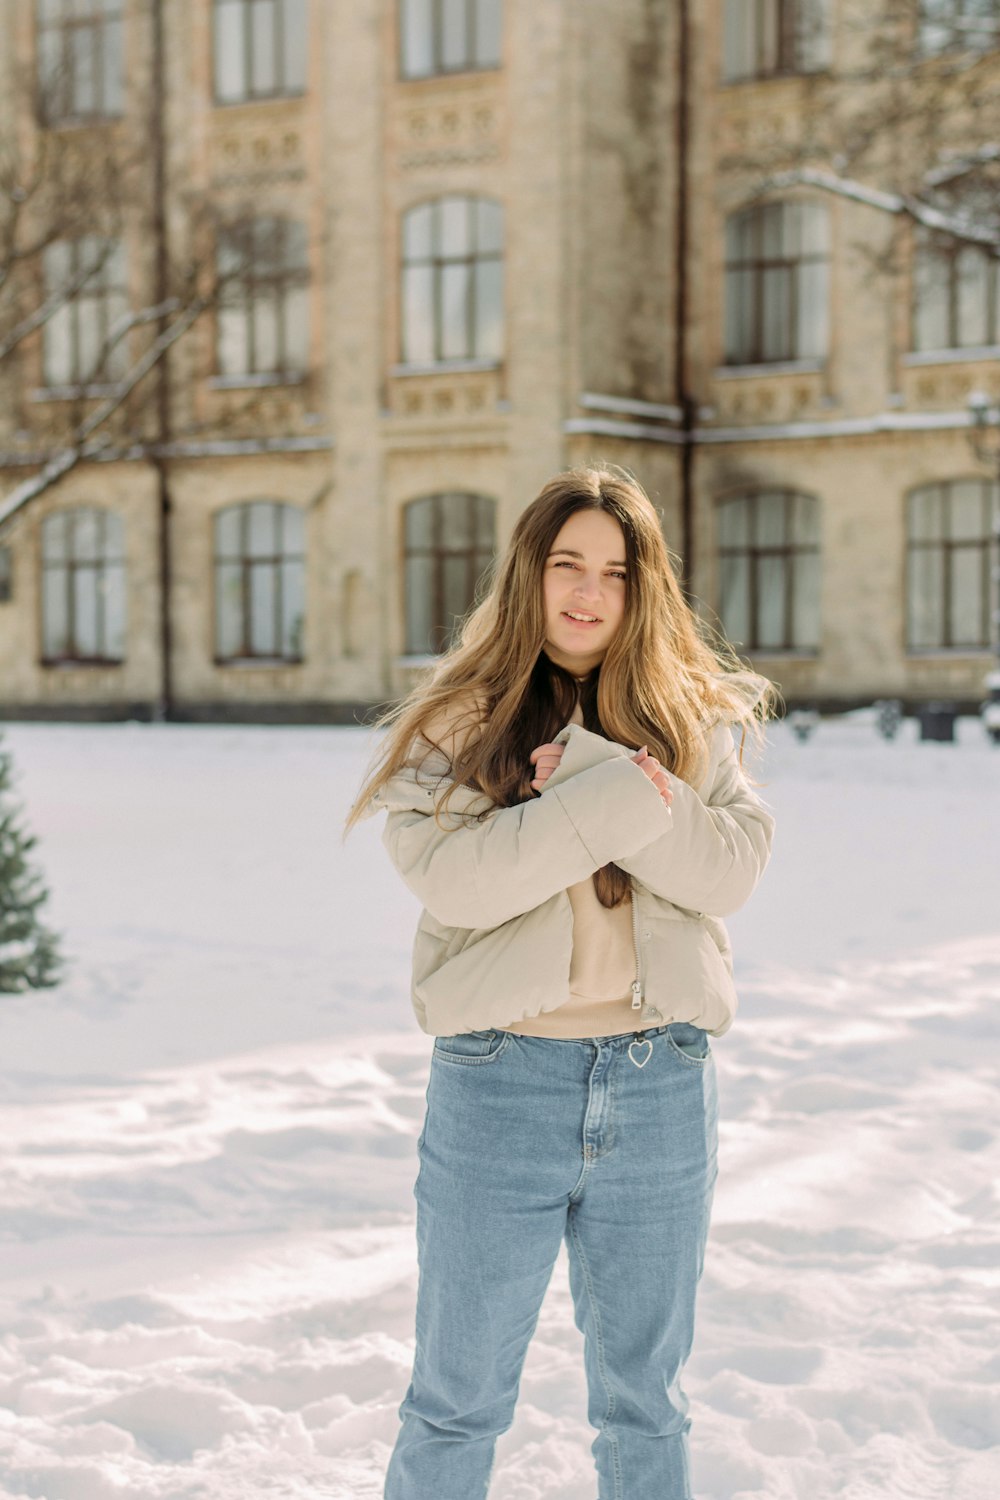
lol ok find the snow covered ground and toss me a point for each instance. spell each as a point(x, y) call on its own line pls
point(207, 1138)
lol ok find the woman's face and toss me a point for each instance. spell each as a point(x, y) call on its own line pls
point(584, 574)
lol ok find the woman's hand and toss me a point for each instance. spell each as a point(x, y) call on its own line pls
point(545, 758)
point(657, 775)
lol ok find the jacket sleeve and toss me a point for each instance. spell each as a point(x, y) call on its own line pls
point(470, 874)
point(717, 848)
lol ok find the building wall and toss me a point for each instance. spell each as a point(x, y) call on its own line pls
point(576, 135)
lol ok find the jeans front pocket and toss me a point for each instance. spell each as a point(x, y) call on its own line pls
point(689, 1043)
point(471, 1047)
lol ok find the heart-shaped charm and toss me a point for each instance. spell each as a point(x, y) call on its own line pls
point(643, 1042)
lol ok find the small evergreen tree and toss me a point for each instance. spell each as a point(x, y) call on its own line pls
point(29, 952)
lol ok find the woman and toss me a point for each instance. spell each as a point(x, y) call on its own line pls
point(570, 964)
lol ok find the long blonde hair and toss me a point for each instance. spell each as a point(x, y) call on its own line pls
point(665, 677)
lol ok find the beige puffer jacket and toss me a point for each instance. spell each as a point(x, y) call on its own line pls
point(494, 942)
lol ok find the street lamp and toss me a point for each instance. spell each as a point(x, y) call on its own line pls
point(985, 436)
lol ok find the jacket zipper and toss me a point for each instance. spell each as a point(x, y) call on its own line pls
point(637, 981)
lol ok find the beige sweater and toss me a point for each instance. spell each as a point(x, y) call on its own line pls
point(601, 970)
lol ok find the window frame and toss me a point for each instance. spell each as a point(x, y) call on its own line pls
point(102, 17)
point(73, 566)
point(110, 300)
point(437, 261)
point(760, 265)
point(948, 546)
point(249, 285)
point(789, 550)
point(282, 89)
point(247, 562)
point(478, 555)
point(790, 50)
point(932, 252)
point(438, 68)
point(959, 39)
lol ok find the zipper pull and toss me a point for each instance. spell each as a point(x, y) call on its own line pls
point(636, 995)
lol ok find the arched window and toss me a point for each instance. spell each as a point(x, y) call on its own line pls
point(259, 582)
point(83, 586)
point(448, 36)
point(948, 546)
point(448, 542)
point(956, 294)
point(765, 38)
point(263, 316)
point(452, 291)
point(777, 265)
point(769, 557)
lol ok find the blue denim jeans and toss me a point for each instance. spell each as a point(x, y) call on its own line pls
point(527, 1140)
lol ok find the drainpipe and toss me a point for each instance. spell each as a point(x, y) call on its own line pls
point(163, 708)
point(682, 396)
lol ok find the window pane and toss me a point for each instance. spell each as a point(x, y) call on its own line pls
point(292, 522)
point(113, 590)
point(967, 614)
point(292, 608)
point(812, 310)
point(114, 537)
point(263, 78)
point(778, 234)
point(813, 34)
point(455, 311)
point(740, 237)
point(262, 604)
point(112, 71)
point(925, 596)
point(805, 520)
point(228, 610)
point(55, 546)
point(454, 35)
point(418, 315)
point(771, 597)
point(6, 575)
point(57, 348)
point(417, 584)
point(737, 56)
point(813, 229)
point(734, 596)
point(295, 39)
point(453, 227)
point(931, 320)
point(489, 309)
point(227, 532)
point(233, 342)
point(262, 538)
point(968, 516)
point(418, 523)
point(86, 642)
point(805, 601)
point(296, 328)
point(770, 520)
point(55, 622)
point(89, 337)
point(230, 77)
point(456, 518)
point(85, 535)
point(265, 331)
point(734, 523)
point(926, 515)
point(973, 273)
point(489, 226)
point(417, 38)
point(417, 232)
point(488, 16)
point(81, 40)
point(775, 290)
point(739, 314)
